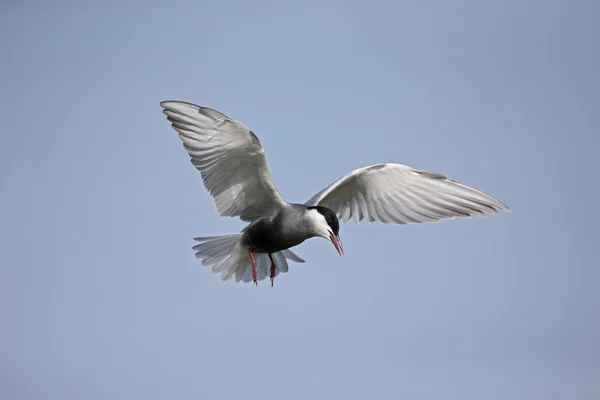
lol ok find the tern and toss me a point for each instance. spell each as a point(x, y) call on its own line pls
point(233, 166)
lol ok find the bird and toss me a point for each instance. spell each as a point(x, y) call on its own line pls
point(234, 170)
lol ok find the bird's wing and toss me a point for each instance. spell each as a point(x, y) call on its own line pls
point(400, 194)
point(230, 158)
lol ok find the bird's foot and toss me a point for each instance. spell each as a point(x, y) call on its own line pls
point(254, 270)
point(272, 270)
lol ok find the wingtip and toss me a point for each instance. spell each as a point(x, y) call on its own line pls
point(504, 207)
point(169, 103)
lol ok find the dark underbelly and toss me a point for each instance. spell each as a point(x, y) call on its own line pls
point(263, 237)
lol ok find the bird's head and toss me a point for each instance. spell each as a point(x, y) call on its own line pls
point(327, 226)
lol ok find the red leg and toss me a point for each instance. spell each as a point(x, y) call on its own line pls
point(272, 269)
point(254, 270)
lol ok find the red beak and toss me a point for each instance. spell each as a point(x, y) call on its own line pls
point(337, 242)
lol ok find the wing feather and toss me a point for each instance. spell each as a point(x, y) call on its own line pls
point(230, 159)
point(396, 193)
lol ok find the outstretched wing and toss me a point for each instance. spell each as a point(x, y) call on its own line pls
point(401, 194)
point(230, 158)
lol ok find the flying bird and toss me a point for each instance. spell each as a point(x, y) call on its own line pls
point(234, 170)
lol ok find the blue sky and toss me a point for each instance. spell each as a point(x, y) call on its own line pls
point(101, 297)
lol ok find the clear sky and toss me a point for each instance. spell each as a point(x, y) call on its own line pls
point(101, 296)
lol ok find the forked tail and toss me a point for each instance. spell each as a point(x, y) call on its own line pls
point(227, 257)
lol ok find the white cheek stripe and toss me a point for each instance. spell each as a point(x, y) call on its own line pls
point(319, 222)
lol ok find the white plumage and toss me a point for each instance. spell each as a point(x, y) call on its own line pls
point(396, 193)
point(224, 255)
point(229, 157)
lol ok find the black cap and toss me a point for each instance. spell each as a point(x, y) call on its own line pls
point(330, 217)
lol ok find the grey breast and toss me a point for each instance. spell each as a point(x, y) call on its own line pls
point(288, 228)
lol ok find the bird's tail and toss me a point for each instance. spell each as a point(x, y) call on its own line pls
point(227, 257)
